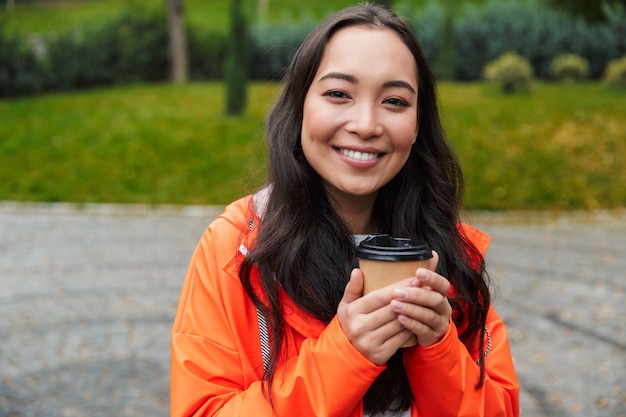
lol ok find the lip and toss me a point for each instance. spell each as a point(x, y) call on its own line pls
point(365, 163)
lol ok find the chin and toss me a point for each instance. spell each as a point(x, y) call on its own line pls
point(360, 193)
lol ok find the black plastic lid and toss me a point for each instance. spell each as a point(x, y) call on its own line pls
point(388, 248)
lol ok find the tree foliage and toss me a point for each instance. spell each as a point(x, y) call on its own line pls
point(591, 10)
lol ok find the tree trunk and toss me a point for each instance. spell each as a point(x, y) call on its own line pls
point(446, 42)
point(236, 62)
point(177, 40)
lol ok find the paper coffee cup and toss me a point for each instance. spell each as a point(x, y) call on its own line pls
point(385, 260)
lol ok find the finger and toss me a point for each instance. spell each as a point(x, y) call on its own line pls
point(431, 279)
point(426, 335)
point(430, 265)
point(379, 344)
point(434, 316)
point(382, 296)
point(385, 331)
point(354, 288)
point(370, 326)
point(420, 303)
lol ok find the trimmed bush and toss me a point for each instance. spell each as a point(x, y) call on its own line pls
point(512, 72)
point(540, 34)
point(615, 74)
point(569, 67)
point(133, 46)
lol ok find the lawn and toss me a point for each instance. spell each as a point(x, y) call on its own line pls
point(560, 147)
point(55, 16)
point(51, 16)
point(148, 144)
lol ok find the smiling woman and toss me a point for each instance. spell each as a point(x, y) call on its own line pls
point(355, 146)
point(360, 118)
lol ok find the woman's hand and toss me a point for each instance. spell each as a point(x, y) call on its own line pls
point(378, 323)
point(370, 322)
point(423, 307)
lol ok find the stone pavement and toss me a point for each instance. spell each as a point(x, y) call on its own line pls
point(88, 294)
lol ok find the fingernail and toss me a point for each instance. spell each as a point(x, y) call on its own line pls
point(397, 305)
point(422, 274)
point(400, 293)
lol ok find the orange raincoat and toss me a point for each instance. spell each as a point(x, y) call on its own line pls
point(217, 364)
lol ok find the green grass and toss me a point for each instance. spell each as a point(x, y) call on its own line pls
point(560, 147)
point(148, 144)
point(53, 16)
point(58, 16)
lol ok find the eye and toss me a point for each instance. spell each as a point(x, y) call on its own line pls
point(336, 94)
point(398, 102)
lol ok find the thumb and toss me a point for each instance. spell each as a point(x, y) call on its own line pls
point(354, 289)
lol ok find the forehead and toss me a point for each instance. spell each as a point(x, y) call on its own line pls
point(362, 48)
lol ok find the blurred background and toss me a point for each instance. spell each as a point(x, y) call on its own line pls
point(125, 125)
point(138, 101)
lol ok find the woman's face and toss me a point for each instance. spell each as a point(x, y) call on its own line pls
point(360, 112)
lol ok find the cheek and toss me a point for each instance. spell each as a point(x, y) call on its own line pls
point(416, 131)
point(316, 122)
point(405, 133)
point(308, 132)
point(308, 116)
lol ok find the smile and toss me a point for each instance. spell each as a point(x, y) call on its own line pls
point(359, 156)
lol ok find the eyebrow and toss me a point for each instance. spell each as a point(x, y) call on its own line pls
point(353, 80)
point(401, 84)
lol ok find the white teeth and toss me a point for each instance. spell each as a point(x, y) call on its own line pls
point(359, 156)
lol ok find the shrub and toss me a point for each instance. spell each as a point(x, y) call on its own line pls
point(20, 70)
point(569, 67)
point(207, 53)
point(615, 74)
point(511, 71)
point(131, 47)
point(483, 33)
point(428, 25)
point(486, 33)
point(125, 49)
point(272, 47)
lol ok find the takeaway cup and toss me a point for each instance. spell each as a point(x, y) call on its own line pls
point(385, 260)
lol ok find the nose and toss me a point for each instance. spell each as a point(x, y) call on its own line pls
point(365, 121)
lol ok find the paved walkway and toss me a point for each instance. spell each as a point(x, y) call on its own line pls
point(87, 298)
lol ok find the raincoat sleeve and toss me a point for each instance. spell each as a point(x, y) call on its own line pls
point(216, 364)
point(443, 377)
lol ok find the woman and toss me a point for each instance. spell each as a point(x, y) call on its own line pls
point(272, 321)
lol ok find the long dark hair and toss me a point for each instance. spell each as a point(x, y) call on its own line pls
point(304, 247)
